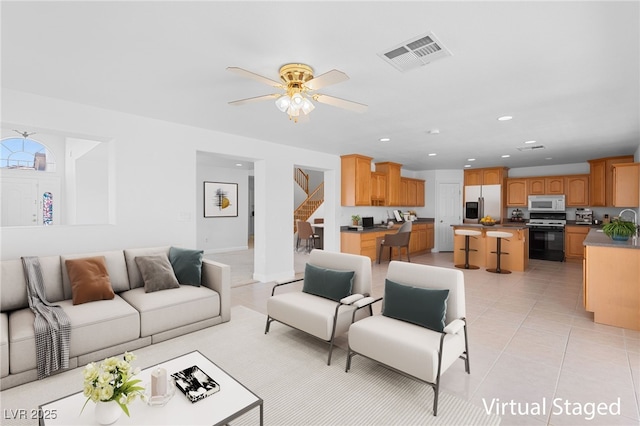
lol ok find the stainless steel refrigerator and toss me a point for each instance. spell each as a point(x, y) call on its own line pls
point(488, 199)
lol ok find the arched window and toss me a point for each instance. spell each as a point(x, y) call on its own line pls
point(25, 154)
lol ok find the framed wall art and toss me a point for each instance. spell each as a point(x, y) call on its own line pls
point(220, 199)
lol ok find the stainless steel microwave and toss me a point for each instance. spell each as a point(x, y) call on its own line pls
point(546, 203)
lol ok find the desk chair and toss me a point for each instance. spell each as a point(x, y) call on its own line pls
point(305, 232)
point(399, 240)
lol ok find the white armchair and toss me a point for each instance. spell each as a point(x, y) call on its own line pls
point(323, 317)
point(406, 344)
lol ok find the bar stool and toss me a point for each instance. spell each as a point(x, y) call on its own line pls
point(499, 235)
point(467, 233)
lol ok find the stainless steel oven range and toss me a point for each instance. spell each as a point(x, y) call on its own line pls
point(546, 235)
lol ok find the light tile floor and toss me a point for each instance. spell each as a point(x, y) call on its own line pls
point(533, 348)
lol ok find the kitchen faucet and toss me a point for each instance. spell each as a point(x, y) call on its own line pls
point(635, 217)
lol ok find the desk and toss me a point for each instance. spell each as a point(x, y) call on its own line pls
point(318, 229)
point(367, 241)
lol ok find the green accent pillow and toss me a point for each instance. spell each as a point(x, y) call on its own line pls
point(187, 265)
point(327, 283)
point(426, 307)
point(156, 272)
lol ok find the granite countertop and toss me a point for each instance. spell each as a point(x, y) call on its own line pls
point(379, 227)
point(596, 237)
point(573, 223)
point(511, 225)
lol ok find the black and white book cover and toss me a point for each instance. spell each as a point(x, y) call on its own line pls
point(195, 383)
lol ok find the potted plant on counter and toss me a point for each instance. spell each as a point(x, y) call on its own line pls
point(619, 230)
point(355, 219)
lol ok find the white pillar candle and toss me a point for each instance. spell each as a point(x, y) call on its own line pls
point(159, 382)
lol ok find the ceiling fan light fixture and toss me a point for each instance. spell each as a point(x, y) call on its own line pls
point(293, 112)
point(299, 84)
point(307, 106)
point(297, 100)
point(283, 103)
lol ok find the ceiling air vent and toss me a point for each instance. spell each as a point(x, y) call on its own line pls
point(530, 148)
point(415, 53)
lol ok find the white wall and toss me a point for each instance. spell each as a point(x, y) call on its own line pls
point(154, 184)
point(554, 170)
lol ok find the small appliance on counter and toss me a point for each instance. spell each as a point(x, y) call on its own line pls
point(517, 216)
point(584, 216)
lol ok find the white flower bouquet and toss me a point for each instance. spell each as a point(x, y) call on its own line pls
point(112, 380)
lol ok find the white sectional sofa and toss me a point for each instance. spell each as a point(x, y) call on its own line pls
point(131, 320)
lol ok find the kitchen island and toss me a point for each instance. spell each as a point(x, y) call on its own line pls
point(611, 280)
point(517, 246)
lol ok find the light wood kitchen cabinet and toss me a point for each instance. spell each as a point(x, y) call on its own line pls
point(601, 179)
point(356, 180)
point(392, 172)
point(404, 192)
point(473, 177)
point(554, 185)
point(612, 293)
point(378, 188)
point(576, 190)
point(412, 192)
point(517, 192)
point(487, 176)
point(493, 176)
point(418, 240)
point(430, 236)
point(626, 185)
point(573, 241)
point(536, 186)
point(546, 185)
point(421, 194)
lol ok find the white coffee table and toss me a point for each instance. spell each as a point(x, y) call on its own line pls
point(230, 402)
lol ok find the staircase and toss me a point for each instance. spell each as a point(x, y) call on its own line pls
point(313, 200)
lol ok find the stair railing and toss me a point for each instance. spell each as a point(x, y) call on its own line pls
point(302, 179)
point(309, 206)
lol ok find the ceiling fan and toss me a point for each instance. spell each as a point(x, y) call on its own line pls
point(299, 86)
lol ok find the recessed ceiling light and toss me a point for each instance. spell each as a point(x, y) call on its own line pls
point(530, 142)
point(506, 156)
point(467, 165)
point(471, 159)
point(505, 118)
point(549, 158)
point(385, 139)
point(432, 154)
point(239, 164)
point(434, 131)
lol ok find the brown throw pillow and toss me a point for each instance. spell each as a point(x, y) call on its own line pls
point(157, 273)
point(89, 279)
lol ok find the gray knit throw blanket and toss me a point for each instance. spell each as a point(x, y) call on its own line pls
point(52, 326)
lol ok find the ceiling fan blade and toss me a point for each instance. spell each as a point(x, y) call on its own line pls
point(341, 103)
point(254, 76)
point(326, 79)
point(256, 99)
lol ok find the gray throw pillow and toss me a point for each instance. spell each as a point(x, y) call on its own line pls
point(156, 272)
point(426, 307)
point(187, 265)
point(328, 283)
